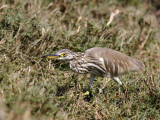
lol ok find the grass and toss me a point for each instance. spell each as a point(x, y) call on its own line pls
point(31, 87)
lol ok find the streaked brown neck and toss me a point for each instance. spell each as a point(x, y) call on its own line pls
point(77, 55)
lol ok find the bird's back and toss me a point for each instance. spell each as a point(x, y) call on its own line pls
point(113, 62)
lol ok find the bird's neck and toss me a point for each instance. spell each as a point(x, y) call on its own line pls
point(76, 62)
point(78, 55)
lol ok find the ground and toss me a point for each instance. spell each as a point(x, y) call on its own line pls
point(32, 88)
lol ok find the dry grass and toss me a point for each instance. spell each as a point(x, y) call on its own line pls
point(30, 85)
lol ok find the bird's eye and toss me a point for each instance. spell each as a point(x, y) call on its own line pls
point(63, 54)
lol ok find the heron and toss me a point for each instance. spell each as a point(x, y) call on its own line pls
point(98, 61)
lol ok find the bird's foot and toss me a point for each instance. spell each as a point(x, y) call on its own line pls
point(86, 93)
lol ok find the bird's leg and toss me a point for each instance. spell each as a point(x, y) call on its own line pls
point(89, 86)
point(122, 87)
point(117, 80)
point(88, 92)
point(91, 80)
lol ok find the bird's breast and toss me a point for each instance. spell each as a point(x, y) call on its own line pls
point(78, 66)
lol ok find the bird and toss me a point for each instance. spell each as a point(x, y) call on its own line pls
point(99, 61)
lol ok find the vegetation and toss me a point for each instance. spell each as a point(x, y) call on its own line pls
point(31, 88)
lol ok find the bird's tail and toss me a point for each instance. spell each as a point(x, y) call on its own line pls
point(139, 65)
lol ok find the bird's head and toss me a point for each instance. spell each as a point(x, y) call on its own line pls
point(63, 54)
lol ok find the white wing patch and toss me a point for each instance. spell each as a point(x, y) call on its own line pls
point(102, 61)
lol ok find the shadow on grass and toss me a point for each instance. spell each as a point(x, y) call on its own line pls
point(61, 90)
point(88, 97)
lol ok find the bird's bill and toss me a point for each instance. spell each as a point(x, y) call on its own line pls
point(52, 56)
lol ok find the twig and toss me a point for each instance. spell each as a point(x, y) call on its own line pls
point(20, 27)
point(104, 30)
point(113, 14)
point(4, 6)
point(146, 39)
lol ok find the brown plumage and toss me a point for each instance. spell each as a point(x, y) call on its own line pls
point(99, 62)
point(114, 62)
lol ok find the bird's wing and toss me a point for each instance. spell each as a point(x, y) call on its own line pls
point(114, 62)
